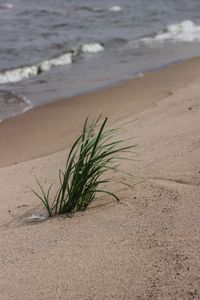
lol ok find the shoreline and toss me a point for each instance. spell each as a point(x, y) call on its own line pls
point(56, 120)
point(107, 86)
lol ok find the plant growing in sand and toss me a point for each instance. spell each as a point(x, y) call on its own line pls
point(94, 153)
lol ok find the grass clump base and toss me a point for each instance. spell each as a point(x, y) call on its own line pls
point(94, 153)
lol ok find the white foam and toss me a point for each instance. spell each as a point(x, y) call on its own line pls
point(6, 5)
point(140, 75)
point(92, 48)
point(115, 8)
point(28, 102)
point(185, 31)
point(64, 59)
point(18, 74)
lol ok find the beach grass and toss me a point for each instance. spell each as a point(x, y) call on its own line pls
point(94, 153)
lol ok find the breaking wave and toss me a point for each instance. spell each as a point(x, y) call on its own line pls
point(92, 48)
point(115, 8)
point(185, 31)
point(25, 72)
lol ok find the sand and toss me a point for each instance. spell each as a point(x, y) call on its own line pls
point(146, 246)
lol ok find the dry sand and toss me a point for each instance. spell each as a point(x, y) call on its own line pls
point(145, 247)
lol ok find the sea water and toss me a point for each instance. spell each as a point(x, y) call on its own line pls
point(55, 49)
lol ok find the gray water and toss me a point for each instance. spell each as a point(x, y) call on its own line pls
point(134, 36)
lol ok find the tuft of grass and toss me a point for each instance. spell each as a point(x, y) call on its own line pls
point(94, 153)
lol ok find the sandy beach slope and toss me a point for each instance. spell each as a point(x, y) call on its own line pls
point(146, 246)
point(51, 128)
